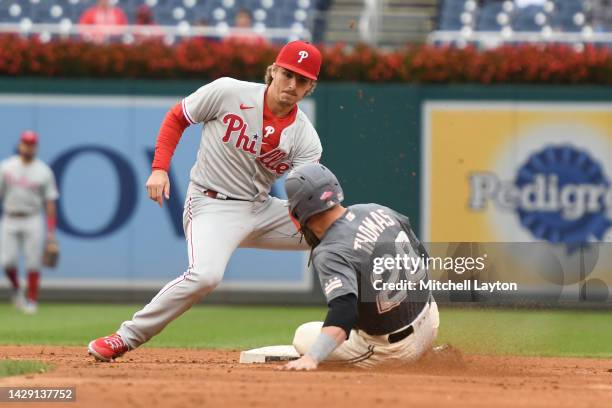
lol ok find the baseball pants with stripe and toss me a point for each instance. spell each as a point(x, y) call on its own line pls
point(364, 350)
point(214, 228)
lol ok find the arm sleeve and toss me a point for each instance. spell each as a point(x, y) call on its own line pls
point(310, 149)
point(205, 103)
point(336, 275)
point(170, 132)
point(50, 192)
point(342, 312)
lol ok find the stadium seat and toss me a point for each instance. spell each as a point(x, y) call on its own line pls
point(525, 19)
point(487, 20)
point(450, 22)
point(558, 15)
point(266, 13)
point(454, 6)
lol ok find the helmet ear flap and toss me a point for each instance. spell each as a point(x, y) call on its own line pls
point(295, 221)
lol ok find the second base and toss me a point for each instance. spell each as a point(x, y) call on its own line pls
point(269, 354)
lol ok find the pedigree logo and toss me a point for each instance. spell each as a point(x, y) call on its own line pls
point(560, 194)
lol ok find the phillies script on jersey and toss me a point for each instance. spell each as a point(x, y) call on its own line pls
point(271, 160)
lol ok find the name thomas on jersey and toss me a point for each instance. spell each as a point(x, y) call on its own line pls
point(344, 262)
point(370, 229)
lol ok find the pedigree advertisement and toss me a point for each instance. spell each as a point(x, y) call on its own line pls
point(522, 172)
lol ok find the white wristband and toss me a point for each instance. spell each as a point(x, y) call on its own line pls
point(322, 347)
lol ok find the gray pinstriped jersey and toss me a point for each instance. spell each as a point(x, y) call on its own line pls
point(26, 187)
point(228, 160)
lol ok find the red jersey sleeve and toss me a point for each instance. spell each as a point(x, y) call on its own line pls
point(170, 132)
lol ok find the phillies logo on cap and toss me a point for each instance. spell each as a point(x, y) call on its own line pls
point(303, 55)
point(300, 57)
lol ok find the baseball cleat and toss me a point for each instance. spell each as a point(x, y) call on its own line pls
point(30, 307)
point(18, 299)
point(108, 348)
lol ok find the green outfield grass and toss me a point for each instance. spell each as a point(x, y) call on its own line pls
point(490, 331)
point(19, 367)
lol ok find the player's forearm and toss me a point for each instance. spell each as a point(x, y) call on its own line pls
point(51, 213)
point(170, 132)
point(336, 333)
point(327, 341)
point(341, 317)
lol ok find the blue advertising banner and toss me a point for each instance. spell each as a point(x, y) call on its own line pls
point(111, 235)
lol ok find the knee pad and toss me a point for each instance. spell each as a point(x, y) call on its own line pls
point(305, 336)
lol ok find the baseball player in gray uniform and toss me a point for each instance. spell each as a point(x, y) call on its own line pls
point(369, 321)
point(27, 185)
point(253, 133)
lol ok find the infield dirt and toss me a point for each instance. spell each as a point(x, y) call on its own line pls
point(183, 378)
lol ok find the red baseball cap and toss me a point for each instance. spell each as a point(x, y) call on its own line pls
point(300, 57)
point(29, 137)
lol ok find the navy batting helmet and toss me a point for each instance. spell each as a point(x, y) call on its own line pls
point(312, 189)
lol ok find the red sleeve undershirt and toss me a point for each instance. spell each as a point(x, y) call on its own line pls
point(170, 133)
point(51, 223)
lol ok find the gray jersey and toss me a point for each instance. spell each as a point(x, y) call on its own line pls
point(24, 188)
point(344, 262)
point(229, 159)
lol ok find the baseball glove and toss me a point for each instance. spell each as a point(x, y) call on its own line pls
point(51, 254)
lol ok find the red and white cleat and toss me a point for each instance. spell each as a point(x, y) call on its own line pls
point(108, 348)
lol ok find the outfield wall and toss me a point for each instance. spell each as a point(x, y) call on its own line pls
point(414, 148)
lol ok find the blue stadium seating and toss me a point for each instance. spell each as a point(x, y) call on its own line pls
point(451, 23)
point(278, 13)
point(561, 17)
point(525, 19)
point(487, 20)
point(567, 10)
point(450, 15)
